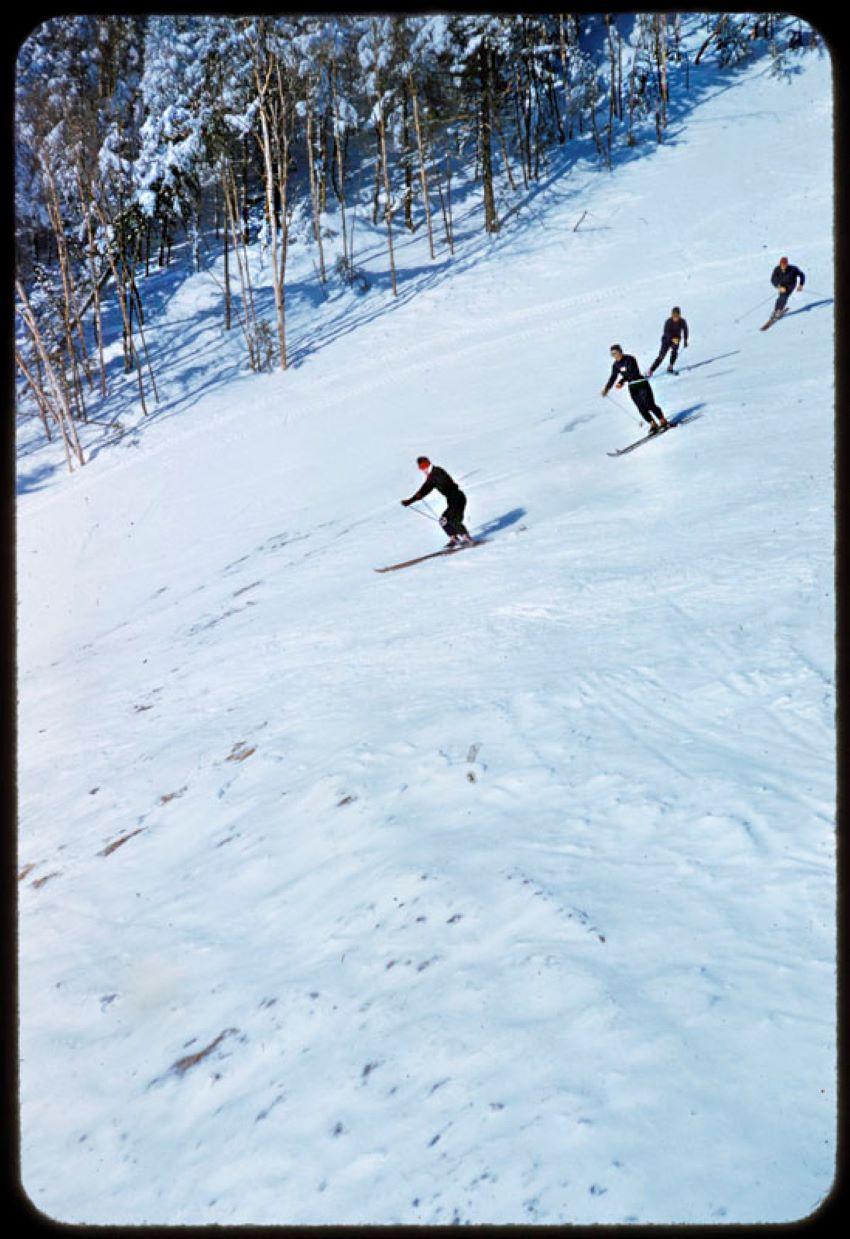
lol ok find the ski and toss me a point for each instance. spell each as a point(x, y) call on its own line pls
point(448, 550)
point(621, 451)
point(774, 318)
point(645, 438)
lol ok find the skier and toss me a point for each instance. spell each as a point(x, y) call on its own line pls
point(675, 331)
point(786, 278)
point(625, 370)
point(452, 519)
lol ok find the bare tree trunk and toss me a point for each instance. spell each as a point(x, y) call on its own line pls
point(619, 75)
point(247, 317)
point(555, 109)
point(283, 187)
point(71, 318)
point(376, 193)
point(314, 197)
point(534, 86)
point(612, 67)
point(246, 227)
point(140, 315)
point(630, 136)
point(423, 174)
point(64, 418)
point(446, 210)
point(504, 146)
point(491, 222)
point(272, 218)
point(449, 215)
point(388, 211)
point(338, 142)
point(227, 317)
point(97, 279)
point(562, 44)
point(40, 398)
point(322, 164)
point(524, 158)
point(408, 174)
point(661, 19)
point(130, 360)
point(717, 30)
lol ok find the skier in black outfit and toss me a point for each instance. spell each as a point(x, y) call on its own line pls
point(452, 519)
point(786, 278)
point(675, 332)
point(625, 370)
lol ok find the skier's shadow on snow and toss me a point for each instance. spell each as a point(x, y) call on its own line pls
point(804, 309)
point(501, 522)
point(708, 361)
point(689, 414)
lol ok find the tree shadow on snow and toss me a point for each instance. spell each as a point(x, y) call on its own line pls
point(501, 522)
point(34, 479)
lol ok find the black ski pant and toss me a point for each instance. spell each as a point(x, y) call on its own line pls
point(665, 345)
point(781, 302)
point(452, 518)
point(641, 394)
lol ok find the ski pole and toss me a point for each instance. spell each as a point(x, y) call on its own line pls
point(753, 308)
point(411, 508)
point(627, 412)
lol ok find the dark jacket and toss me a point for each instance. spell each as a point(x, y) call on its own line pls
point(788, 278)
point(438, 479)
point(676, 330)
point(626, 368)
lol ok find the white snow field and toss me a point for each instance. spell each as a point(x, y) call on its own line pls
point(499, 889)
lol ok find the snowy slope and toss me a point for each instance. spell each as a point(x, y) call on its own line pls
point(500, 889)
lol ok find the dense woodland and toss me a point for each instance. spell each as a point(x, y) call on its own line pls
point(229, 136)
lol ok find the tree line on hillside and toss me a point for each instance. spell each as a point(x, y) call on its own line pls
point(136, 132)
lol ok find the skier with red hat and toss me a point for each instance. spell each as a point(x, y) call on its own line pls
point(785, 278)
point(452, 519)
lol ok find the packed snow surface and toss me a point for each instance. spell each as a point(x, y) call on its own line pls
point(500, 888)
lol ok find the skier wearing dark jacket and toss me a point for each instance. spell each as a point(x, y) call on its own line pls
point(625, 370)
point(785, 278)
point(452, 519)
point(675, 333)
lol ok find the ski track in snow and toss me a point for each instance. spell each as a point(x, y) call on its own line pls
point(493, 892)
